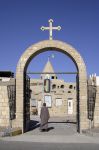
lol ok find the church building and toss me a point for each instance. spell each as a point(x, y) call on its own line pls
point(60, 96)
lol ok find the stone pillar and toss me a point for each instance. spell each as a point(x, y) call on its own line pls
point(84, 122)
point(19, 122)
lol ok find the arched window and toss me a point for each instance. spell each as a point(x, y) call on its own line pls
point(71, 86)
point(53, 86)
point(52, 77)
point(69, 91)
point(62, 86)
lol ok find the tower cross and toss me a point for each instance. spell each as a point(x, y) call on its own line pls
point(50, 28)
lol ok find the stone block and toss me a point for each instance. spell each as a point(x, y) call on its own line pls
point(1, 105)
point(64, 48)
point(5, 104)
point(16, 131)
point(1, 96)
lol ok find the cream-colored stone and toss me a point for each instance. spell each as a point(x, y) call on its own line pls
point(58, 45)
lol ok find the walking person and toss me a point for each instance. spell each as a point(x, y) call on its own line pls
point(44, 116)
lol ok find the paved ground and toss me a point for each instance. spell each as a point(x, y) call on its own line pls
point(56, 126)
point(4, 145)
point(59, 132)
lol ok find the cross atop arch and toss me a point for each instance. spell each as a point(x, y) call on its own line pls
point(50, 28)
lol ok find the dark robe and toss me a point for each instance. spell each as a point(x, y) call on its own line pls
point(44, 115)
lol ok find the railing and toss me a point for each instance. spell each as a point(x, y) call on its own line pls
point(91, 101)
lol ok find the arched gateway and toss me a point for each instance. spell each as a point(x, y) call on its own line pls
point(25, 59)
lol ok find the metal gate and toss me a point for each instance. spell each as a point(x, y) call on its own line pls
point(26, 103)
point(91, 100)
point(78, 109)
point(12, 102)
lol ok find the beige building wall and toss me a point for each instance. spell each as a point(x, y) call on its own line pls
point(63, 92)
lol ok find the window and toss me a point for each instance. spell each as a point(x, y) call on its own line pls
point(69, 91)
point(71, 86)
point(53, 86)
point(58, 101)
point(70, 98)
point(62, 86)
point(52, 77)
point(33, 84)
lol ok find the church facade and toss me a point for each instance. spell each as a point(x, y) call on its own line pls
point(61, 97)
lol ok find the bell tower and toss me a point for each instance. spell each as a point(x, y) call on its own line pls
point(48, 71)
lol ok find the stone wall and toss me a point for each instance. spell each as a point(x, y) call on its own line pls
point(4, 106)
point(4, 103)
point(23, 63)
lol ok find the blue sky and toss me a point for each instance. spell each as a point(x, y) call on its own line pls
point(20, 22)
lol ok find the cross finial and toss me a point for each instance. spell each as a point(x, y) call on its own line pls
point(50, 28)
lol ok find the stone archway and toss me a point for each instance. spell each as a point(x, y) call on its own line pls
point(22, 67)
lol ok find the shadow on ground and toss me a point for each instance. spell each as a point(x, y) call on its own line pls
point(35, 124)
